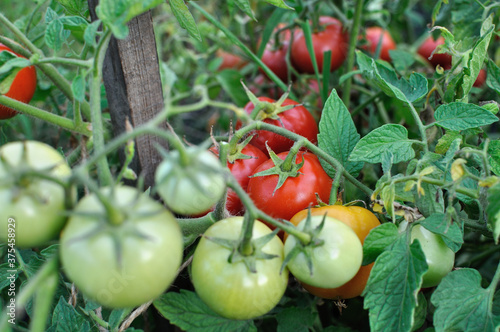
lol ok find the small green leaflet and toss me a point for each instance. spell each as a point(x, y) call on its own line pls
point(10, 65)
point(279, 3)
point(378, 240)
point(230, 80)
point(445, 141)
point(187, 311)
point(184, 17)
point(493, 77)
point(338, 135)
point(386, 79)
point(78, 87)
point(461, 116)
point(493, 210)
point(452, 234)
point(391, 138)
point(462, 304)
point(244, 5)
point(296, 319)
point(494, 156)
point(65, 318)
point(391, 292)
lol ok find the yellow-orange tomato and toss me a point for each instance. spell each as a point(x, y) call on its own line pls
point(361, 221)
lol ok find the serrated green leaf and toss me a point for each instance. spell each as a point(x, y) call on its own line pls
point(279, 3)
point(379, 238)
point(493, 77)
point(78, 87)
point(493, 210)
point(386, 79)
point(391, 138)
point(402, 60)
point(295, 319)
point(452, 234)
point(187, 311)
point(391, 291)
point(494, 156)
point(461, 116)
point(7, 275)
point(66, 319)
point(244, 5)
point(55, 35)
point(445, 141)
point(462, 304)
point(230, 80)
point(184, 17)
point(420, 312)
point(74, 7)
point(338, 135)
point(91, 32)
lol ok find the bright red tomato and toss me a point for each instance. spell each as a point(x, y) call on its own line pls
point(481, 78)
point(274, 55)
point(230, 61)
point(297, 193)
point(23, 87)
point(373, 36)
point(428, 46)
point(297, 119)
point(331, 38)
point(242, 169)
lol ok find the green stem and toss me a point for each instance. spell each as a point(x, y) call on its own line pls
point(220, 207)
point(289, 159)
point(42, 302)
point(420, 125)
point(66, 61)
point(103, 171)
point(335, 187)
point(494, 283)
point(54, 119)
point(346, 95)
point(246, 248)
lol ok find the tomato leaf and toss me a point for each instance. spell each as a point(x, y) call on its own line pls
point(493, 210)
point(391, 292)
point(387, 138)
point(230, 80)
point(338, 135)
point(494, 156)
point(379, 238)
point(66, 318)
point(461, 116)
point(295, 319)
point(386, 79)
point(452, 233)
point(493, 77)
point(78, 87)
point(185, 19)
point(187, 311)
point(462, 304)
point(279, 3)
point(244, 5)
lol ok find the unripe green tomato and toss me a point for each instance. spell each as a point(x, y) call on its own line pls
point(440, 259)
point(31, 208)
point(193, 188)
point(335, 262)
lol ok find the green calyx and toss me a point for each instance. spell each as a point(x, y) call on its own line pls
point(283, 168)
point(307, 248)
point(267, 110)
point(237, 152)
point(250, 259)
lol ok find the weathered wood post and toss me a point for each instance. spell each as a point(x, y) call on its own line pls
point(133, 87)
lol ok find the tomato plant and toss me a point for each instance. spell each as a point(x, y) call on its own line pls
point(124, 264)
point(296, 119)
point(229, 287)
point(35, 203)
point(22, 87)
point(329, 37)
point(361, 221)
point(376, 35)
point(296, 193)
point(333, 261)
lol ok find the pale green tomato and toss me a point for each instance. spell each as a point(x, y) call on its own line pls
point(122, 265)
point(36, 206)
point(335, 262)
point(230, 289)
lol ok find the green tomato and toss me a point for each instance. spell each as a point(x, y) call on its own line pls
point(440, 259)
point(191, 188)
point(334, 262)
point(127, 264)
point(230, 289)
point(34, 206)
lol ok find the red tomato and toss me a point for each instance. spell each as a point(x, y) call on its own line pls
point(428, 46)
point(297, 119)
point(274, 55)
point(242, 169)
point(297, 193)
point(23, 87)
point(332, 38)
point(373, 36)
point(481, 78)
point(230, 61)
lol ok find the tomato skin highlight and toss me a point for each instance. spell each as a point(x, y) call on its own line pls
point(428, 46)
point(22, 88)
point(335, 262)
point(150, 244)
point(361, 221)
point(297, 119)
point(332, 38)
point(230, 289)
point(297, 193)
point(373, 35)
point(37, 205)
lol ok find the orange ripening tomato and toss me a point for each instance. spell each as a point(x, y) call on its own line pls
point(361, 221)
point(22, 88)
